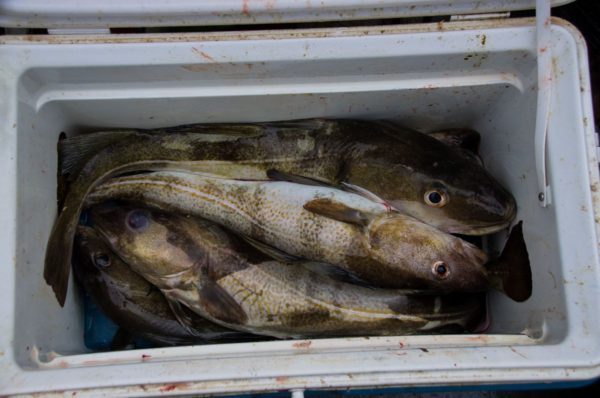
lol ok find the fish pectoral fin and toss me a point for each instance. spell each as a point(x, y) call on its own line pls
point(336, 273)
point(511, 272)
point(277, 175)
point(183, 316)
point(219, 304)
point(74, 153)
point(121, 340)
point(271, 251)
point(335, 210)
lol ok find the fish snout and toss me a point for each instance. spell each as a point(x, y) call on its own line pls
point(500, 206)
point(467, 268)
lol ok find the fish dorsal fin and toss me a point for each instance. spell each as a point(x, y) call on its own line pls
point(511, 272)
point(338, 211)
point(365, 193)
point(273, 252)
point(461, 138)
point(277, 175)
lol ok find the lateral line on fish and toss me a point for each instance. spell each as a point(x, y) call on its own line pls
point(376, 313)
point(258, 161)
point(190, 190)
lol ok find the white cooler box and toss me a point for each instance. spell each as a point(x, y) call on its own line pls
point(480, 74)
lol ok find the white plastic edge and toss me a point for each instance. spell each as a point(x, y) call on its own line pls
point(143, 13)
point(544, 64)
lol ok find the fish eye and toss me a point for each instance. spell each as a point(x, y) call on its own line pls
point(137, 220)
point(435, 198)
point(102, 260)
point(440, 269)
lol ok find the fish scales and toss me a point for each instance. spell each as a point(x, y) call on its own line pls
point(266, 211)
point(412, 172)
point(263, 296)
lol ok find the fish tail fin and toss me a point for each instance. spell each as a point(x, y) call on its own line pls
point(57, 263)
point(74, 152)
point(511, 272)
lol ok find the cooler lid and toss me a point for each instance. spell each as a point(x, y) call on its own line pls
point(71, 14)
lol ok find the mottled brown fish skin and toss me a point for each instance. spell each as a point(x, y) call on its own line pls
point(174, 148)
point(384, 248)
point(388, 164)
point(132, 302)
point(397, 164)
point(277, 299)
point(292, 301)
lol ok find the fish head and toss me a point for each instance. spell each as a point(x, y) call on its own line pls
point(92, 253)
point(154, 243)
point(426, 257)
point(465, 203)
point(96, 263)
point(435, 183)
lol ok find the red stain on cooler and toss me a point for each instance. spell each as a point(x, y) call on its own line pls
point(302, 344)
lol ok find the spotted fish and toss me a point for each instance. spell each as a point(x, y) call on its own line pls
point(199, 265)
point(410, 171)
point(133, 303)
point(383, 247)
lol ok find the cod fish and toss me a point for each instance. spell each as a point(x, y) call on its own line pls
point(132, 302)
point(199, 265)
point(407, 170)
point(384, 248)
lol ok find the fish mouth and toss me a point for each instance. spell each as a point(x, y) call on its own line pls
point(479, 230)
point(485, 228)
